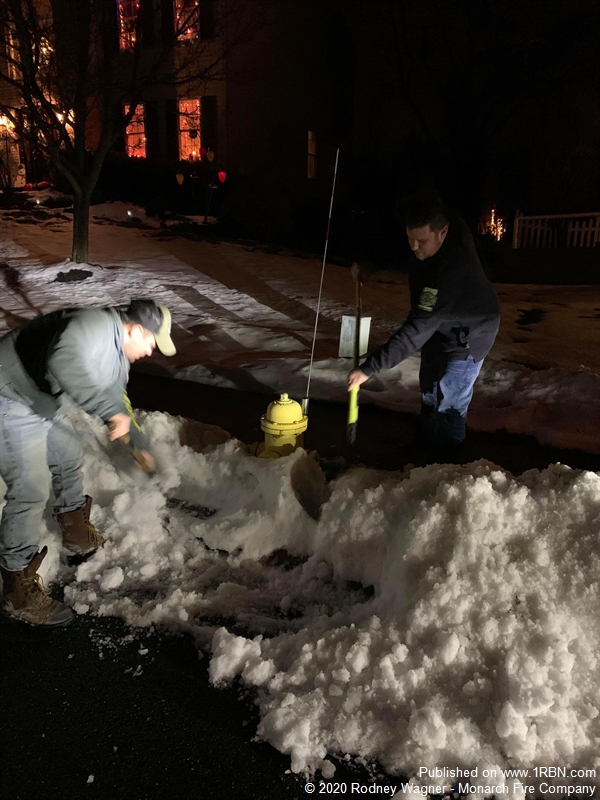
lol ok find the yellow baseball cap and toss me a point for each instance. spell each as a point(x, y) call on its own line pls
point(154, 318)
point(163, 337)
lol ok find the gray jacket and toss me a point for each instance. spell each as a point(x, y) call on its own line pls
point(77, 352)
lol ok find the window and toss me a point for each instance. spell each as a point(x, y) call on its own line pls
point(128, 13)
point(135, 133)
point(312, 155)
point(187, 19)
point(189, 130)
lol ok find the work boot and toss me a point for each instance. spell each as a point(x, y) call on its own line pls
point(79, 535)
point(27, 599)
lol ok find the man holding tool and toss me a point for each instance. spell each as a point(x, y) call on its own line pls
point(454, 319)
point(75, 356)
point(352, 425)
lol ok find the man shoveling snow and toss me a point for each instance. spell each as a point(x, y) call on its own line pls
point(80, 355)
point(454, 320)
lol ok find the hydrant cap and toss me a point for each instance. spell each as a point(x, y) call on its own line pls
point(284, 414)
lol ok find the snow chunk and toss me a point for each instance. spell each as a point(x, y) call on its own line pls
point(230, 655)
point(427, 728)
point(111, 579)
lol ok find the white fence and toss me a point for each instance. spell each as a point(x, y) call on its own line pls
point(557, 230)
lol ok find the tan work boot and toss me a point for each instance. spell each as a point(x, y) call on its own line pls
point(79, 535)
point(27, 599)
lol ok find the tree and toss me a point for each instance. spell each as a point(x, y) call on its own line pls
point(76, 71)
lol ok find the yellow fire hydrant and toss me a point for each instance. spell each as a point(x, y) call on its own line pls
point(283, 425)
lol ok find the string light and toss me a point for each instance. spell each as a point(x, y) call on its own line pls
point(128, 12)
point(185, 14)
point(494, 225)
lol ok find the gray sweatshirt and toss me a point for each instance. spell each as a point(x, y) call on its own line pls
point(77, 352)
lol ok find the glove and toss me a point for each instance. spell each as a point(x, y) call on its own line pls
point(143, 458)
point(133, 437)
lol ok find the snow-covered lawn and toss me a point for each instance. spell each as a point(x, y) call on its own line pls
point(442, 617)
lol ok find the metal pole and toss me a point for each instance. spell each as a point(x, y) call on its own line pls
point(312, 352)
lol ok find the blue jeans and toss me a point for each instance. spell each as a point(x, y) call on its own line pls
point(446, 391)
point(36, 454)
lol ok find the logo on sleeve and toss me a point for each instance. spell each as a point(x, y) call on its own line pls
point(428, 299)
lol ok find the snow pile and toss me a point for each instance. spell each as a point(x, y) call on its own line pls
point(161, 563)
point(558, 407)
point(478, 644)
point(190, 219)
point(118, 211)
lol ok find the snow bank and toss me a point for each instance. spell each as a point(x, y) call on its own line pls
point(480, 644)
point(477, 644)
point(118, 211)
point(559, 408)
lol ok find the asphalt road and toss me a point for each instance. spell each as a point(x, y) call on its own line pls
point(85, 715)
point(96, 710)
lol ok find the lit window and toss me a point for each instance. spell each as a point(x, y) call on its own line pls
point(312, 155)
point(128, 12)
point(135, 134)
point(189, 130)
point(187, 19)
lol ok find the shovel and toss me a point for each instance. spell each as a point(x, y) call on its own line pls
point(353, 395)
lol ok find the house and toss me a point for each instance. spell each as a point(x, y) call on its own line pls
point(239, 86)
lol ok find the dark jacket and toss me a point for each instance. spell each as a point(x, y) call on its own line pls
point(77, 352)
point(453, 306)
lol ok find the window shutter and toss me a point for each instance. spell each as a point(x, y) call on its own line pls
point(152, 134)
point(172, 129)
point(209, 122)
point(167, 20)
point(147, 22)
point(207, 20)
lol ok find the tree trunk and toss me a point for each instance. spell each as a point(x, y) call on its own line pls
point(81, 227)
